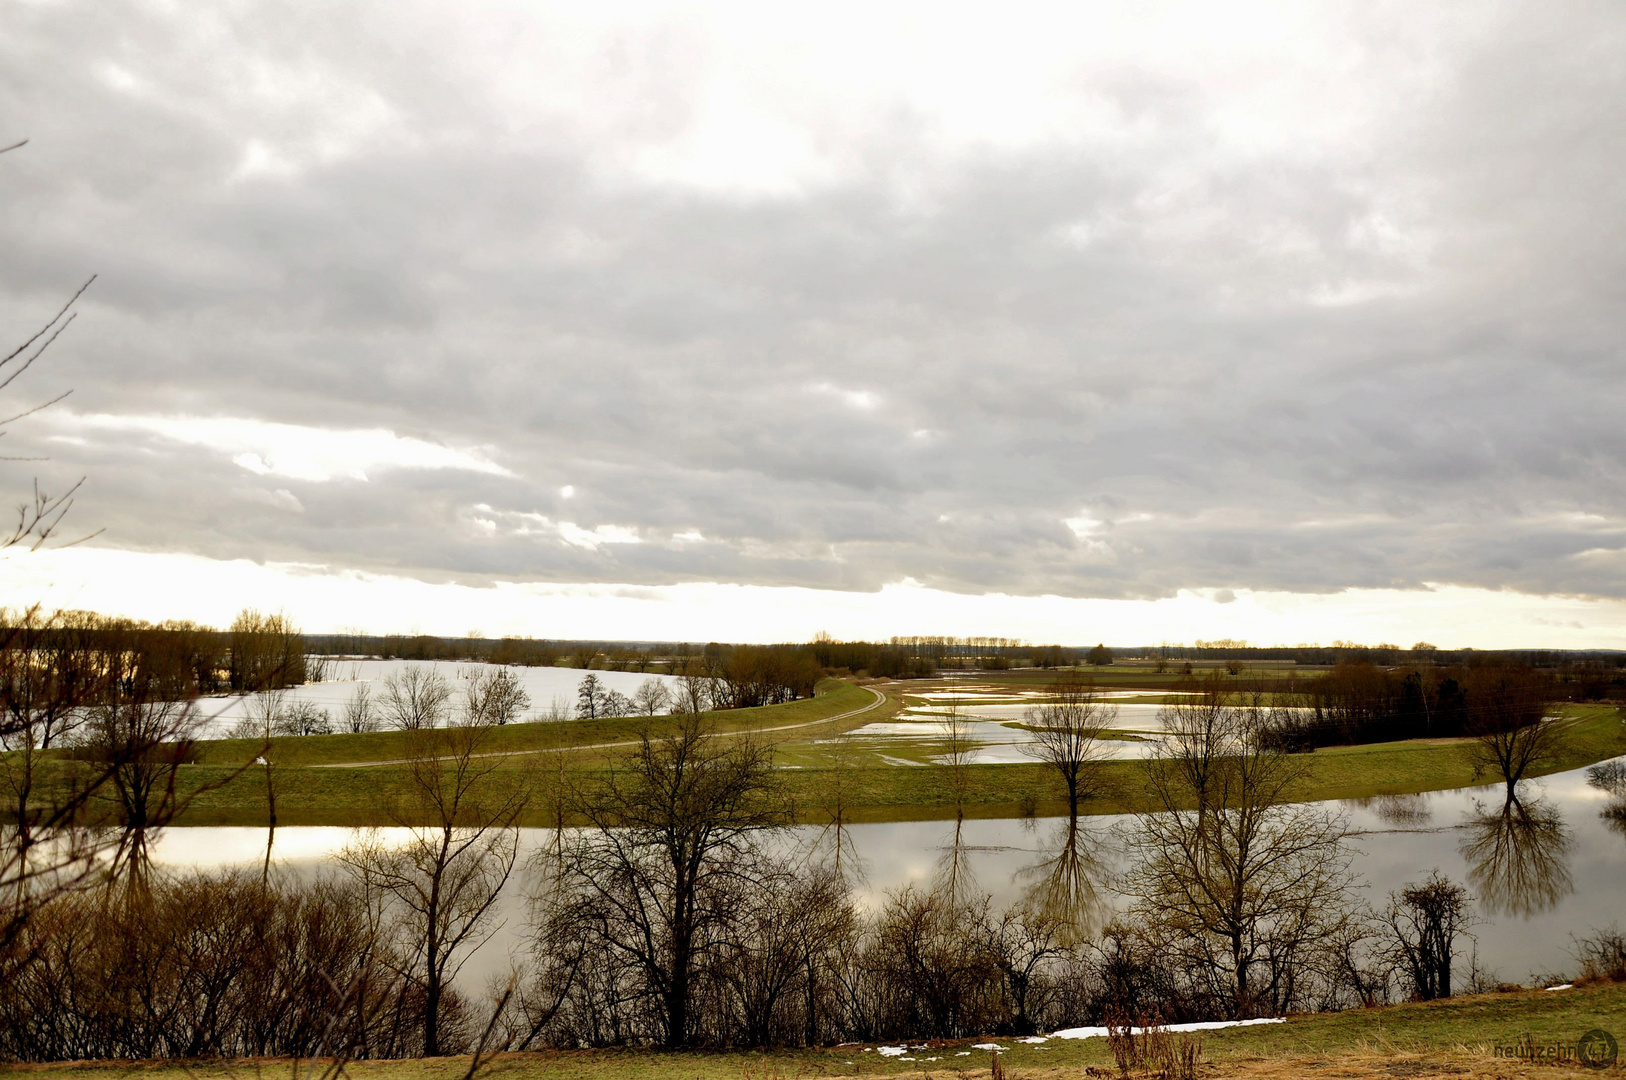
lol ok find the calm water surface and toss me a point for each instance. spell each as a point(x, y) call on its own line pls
point(545, 685)
point(1554, 867)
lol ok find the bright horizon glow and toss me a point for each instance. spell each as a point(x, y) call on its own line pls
point(296, 451)
point(159, 586)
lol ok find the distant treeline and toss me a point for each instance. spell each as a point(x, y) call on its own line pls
point(1361, 702)
point(1581, 675)
point(1214, 652)
point(658, 657)
point(72, 660)
point(898, 658)
point(924, 656)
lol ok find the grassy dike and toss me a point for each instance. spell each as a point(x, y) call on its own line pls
point(831, 698)
point(328, 779)
point(869, 792)
point(1458, 1037)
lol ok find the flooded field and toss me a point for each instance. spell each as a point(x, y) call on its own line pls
point(549, 688)
point(991, 718)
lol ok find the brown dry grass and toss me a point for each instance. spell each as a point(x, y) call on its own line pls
point(1451, 1038)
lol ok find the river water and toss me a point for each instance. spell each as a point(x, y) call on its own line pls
point(548, 688)
point(1552, 868)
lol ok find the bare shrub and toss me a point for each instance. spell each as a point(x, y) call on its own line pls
point(939, 963)
point(360, 713)
point(304, 718)
point(1602, 955)
point(220, 965)
point(1424, 921)
point(494, 696)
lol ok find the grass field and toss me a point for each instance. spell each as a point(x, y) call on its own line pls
point(358, 780)
point(832, 697)
point(869, 790)
point(1457, 1037)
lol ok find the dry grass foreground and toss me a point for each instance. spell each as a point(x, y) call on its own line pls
point(1455, 1038)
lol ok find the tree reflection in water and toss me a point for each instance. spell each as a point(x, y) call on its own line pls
point(1614, 815)
point(1401, 811)
point(1518, 857)
point(1069, 881)
point(1610, 777)
point(955, 881)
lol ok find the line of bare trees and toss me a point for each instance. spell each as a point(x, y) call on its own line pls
point(1359, 702)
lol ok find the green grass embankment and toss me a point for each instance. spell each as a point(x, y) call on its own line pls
point(831, 698)
point(879, 792)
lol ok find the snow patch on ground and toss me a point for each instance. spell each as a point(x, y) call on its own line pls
point(1201, 1025)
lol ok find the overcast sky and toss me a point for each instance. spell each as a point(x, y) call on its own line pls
point(1195, 311)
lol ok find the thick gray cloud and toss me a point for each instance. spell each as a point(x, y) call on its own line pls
point(1354, 322)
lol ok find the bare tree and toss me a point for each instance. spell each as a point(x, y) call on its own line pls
point(40, 517)
point(415, 698)
point(958, 749)
point(672, 836)
point(651, 697)
point(1511, 735)
point(360, 714)
point(834, 845)
point(50, 849)
point(1067, 731)
point(1198, 730)
point(771, 957)
point(267, 652)
point(437, 888)
point(45, 678)
point(494, 697)
point(1229, 873)
point(265, 715)
point(692, 694)
point(264, 712)
point(1026, 938)
point(589, 698)
point(941, 960)
point(558, 709)
point(45, 851)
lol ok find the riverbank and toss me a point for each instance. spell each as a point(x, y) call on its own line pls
point(1465, 1037)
